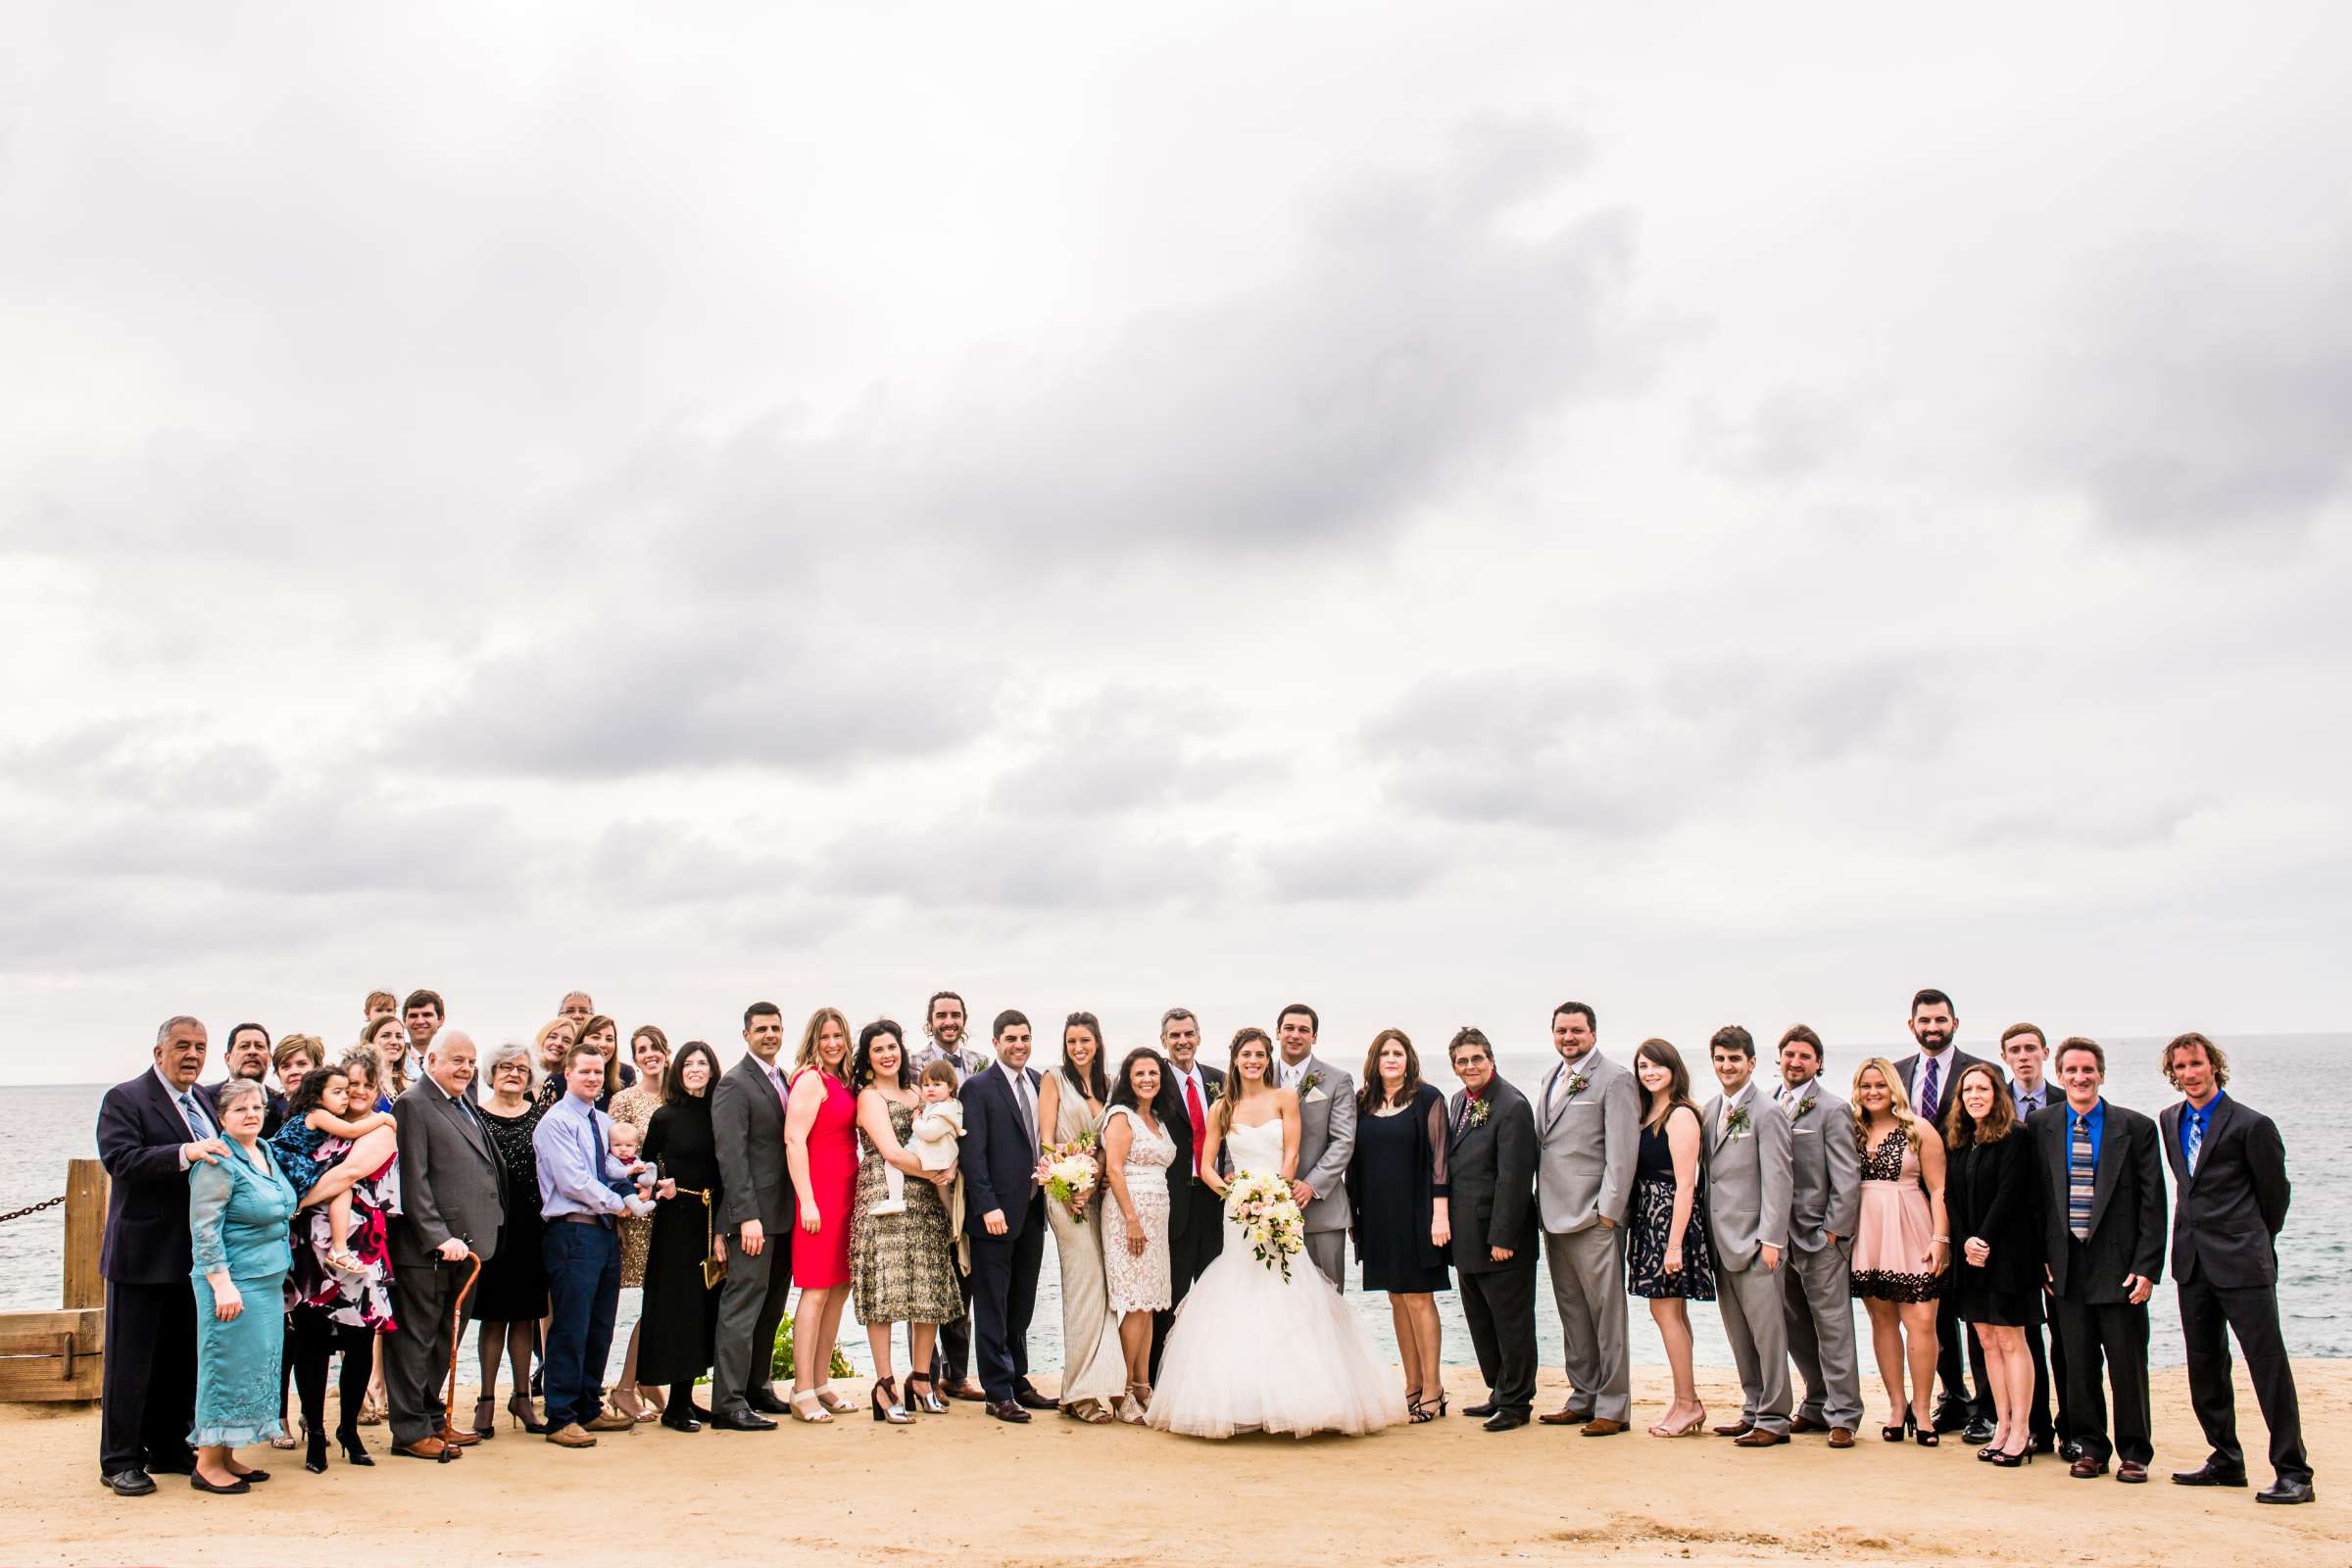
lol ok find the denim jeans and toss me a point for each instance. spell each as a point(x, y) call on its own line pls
point(584, 1288)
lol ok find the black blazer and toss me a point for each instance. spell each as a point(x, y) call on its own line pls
point(1180, 1127)
point(1989, 1192)
point(274, 1107)
point(1491, 1170)
point(140, 1133)
point(2226, 1230)
point(1960, 1061)
point(1000, 1168)
point(2127, 1207)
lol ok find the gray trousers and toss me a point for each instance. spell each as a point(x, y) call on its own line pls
point(1755, 1321)
point(1588, 1286)
point(1328, 1251)
point(751, 1305)
point(1815, 1293)
point(424, 1295)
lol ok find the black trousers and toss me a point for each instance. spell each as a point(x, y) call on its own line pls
point(1190, 1253)
point(1950, 1338)
point(147, 1390)
point(2113, 1337)
point(2209, 1315)
point(315, 1338)
point(2049, 1381)
point(417, 1357)
point(1004, 1299)
point(952, 1351)
point(1501, 1305)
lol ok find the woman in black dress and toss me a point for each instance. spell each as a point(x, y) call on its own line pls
point(510, 1296)
point(681, 1301)
point(1989, 1198)
point(1669, 1260)
point(1396, 1195)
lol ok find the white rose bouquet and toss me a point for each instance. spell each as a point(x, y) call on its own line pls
point(1262, 1207)
point(1069, 1175)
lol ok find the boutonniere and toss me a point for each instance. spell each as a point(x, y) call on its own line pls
point(1479, 1112)
point(1805, 1104)
point(1306, 1085)
point(1576, 1084)
point(1737, 1123)
point(1216, 1091)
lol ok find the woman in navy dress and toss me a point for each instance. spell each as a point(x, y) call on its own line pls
point(1398, 1197)
point(1669, 1260)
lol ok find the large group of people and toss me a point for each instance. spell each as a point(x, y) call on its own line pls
point(373, 1203)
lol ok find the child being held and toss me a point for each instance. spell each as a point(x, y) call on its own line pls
point(938, 1124)
point(324, 1151)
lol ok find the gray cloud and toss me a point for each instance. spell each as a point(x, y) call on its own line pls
point(1126, 749)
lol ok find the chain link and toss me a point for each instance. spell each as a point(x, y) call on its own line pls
point(31, 1208)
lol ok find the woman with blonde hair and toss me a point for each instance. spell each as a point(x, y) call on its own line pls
point(389, 1038)
point(555, 1036)
point(634, 1107)
point(1902, 1243)
point(821, 1149)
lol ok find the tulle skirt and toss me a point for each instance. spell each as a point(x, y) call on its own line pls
point(1253, 1353)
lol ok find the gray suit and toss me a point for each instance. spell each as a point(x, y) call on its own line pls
point(1326, 1142)
point(1825, 1199)
point(746, 1124)
point(1587, 1140)
point(451, 1186)
point(1747, 1211)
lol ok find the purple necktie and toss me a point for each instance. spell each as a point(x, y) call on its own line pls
point(1927, 1092)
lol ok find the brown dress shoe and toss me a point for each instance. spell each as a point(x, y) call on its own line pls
point(1758, 1438)
point(1841, 1437)
point(1805, 1423)
point(2087, 1469)
point(1601, 1426)
point(2131, 1470)
point(966, 1390)
point(1738, 1429)
point(569, 1436)
point(458, 1440)
point(432, 1448)
point(1563, 1418)
point(610, 1421)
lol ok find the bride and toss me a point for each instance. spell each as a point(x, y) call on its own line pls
point(1249, 1351)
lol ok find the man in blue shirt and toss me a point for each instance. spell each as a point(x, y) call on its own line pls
point(583, 1189)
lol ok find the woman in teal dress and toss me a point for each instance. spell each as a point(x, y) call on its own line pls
point(239, 1206)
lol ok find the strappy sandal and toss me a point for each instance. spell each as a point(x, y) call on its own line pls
point(1413, 1411)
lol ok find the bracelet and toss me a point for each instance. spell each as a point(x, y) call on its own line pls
point(1945, 1239)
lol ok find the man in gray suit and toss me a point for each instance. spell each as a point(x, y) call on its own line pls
point(1746, 1143)
point(451, 1203)
point(755, 1214)
point(1825, 1205)
point(1588, 1128)
point(1326, 1139)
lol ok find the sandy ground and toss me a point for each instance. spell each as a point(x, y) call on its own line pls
point(965, 1490)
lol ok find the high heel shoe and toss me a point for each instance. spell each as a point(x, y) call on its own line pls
point(813, 1412)
point(833, 1401)
point(625, 1401)
point(1441, 1409)
point(371, 1409)
point(928, 1400)
point(523, 1413)
point(2010, 1461)
point(485, 1417)
point(1899, 1431)
point(653, 1399)
point(314, 1458)
point(892, 1412)
point(1922, 1432)
point(354, 1453)
point(1412, 1408)
point(1689, 1429)
point(1139, 1400)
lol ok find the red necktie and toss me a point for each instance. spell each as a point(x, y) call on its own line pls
point(1199, 1116)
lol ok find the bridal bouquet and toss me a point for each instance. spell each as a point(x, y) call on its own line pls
point(1068, 1175)
point(1261, 1205)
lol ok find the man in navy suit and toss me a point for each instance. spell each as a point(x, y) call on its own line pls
point(1004, 1215)
point(150, 1130)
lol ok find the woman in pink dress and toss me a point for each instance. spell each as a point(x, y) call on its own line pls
point(1902, 1245)
point(820, 1145)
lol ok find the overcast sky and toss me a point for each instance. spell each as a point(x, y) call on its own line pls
point(1729, 513)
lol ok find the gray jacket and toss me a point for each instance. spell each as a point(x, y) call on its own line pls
point(1326, 1143)
point(1824, 1171)
point(1587, 1142)
point(1747, 1179)
point(746, 1124)
point(451, 1180)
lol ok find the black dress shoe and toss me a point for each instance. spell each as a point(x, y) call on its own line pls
point(2070, 1450)
point(1953, 1416)
point(2209, 1474)
point(680, 1421)
point(1028, 1399)
point(129, 1483)
point(1008, 1410)
point(230, 1490)
point(740, 1421)
point(2284, 1492)
point(1482, 1410)
point(1978, 1433)
point(769, 1404)
point(1504, 1420)
point(2044, 1443)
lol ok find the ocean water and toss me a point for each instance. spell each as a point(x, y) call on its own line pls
point(2281, 1075)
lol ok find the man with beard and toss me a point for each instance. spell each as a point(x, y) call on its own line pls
point(248, 1057)
point(1326, 1139)
point(1196, 1217)
point(952, 1353)
point(1928, 1075)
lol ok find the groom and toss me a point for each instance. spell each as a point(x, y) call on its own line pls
point(1326, 1140)
point(1004, 1215)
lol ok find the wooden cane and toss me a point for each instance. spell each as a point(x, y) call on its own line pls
point(457, 1335)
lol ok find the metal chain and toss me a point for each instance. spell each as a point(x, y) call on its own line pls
point(31, 1208)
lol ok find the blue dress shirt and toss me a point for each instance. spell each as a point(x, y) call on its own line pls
point(2202, 1119)
point(577, 1173)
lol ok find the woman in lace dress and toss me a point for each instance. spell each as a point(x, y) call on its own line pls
point(903, 1261)
point(1902, 1245)
point(1069, 1108)
point(1137, 1152)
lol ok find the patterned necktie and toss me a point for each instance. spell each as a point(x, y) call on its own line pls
point(1927, 1092)
point(2196, 1139)
point(198, 1122)
point(2079, 1173)
point(1198, 1113)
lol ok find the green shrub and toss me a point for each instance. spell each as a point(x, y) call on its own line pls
point(779, 1365)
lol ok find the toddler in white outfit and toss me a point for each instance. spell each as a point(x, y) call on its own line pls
point(938, 1125)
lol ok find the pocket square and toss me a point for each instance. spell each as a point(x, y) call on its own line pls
point(1313, 1095)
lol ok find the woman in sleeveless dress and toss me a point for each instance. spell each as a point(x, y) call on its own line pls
point(1902, 1242)
point(1069, 1106)
point(1137, 1152)
point(902, 1263)
point(1255, 1350)
point(1669, 1260)
point(820, 1148)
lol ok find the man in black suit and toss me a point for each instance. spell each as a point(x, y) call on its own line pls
point(1490, 1167)
point(1005, 1216)
point(2229, 1170)
point(755, 1215)
point(2027, 1050)
point(1195, 1219)
point(247, 1056)
point(150, 1129)
point(1928, 1075)
point(2102, 1191)
point(453, 1192)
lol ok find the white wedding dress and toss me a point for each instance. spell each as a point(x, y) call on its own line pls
point(1250, 1351)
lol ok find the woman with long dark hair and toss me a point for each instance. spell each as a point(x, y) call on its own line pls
point(1668, 1259)
point(1069, 1115)
point(1397, 1195)
point(1137, 1152)
point(336, 1308)
point(680, 1325)
point(901, 1256)
point(1991, 1201)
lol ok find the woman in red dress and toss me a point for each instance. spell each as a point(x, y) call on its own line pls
point(820, 1145)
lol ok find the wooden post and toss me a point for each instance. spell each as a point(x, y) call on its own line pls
point(86, 1229)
